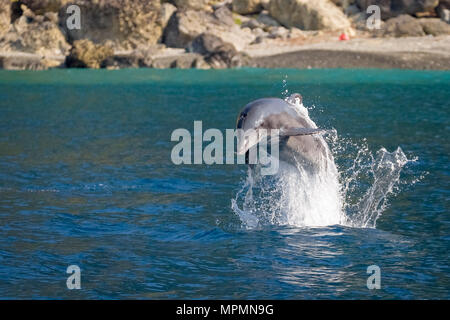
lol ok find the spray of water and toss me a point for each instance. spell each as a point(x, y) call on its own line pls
point(353, 193)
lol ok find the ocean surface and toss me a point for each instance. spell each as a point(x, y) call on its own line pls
point(86, 179)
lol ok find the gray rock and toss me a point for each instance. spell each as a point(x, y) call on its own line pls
point(351, 10)
point(247, 6)
point(252, 24)
point(265, 4)
point(185, 25)
point(181, 61)
point(224, 15)
point(296, 33)
point(166, 12)
point(258, 39)
point(267, 20)
point(443, 10)
point(278, 32)
point(190, 4)
point(120, 61)
point(406, 25)
point(200, 63)
point(434, 26)
point(259, 32)
point(85, 54)
point(226, 3)
point(216, 52)
point(309, 15)
point(359, 21)
point(133, 59)
point(393, 8)
point(402, 26)
point(27, 61)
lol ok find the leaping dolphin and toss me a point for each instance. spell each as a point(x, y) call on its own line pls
point(299, 138)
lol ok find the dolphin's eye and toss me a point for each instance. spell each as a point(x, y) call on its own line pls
point(240, 120)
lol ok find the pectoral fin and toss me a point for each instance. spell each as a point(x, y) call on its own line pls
point(300, 131)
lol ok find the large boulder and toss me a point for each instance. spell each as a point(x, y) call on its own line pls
point(217, 53)
point(5, 16)
point(121, 24)
point(393, 8)
point(85, 54)
point(407, 26)
point(166, 12)
point(42, 6)
point(402, 26)
point(247, 6)
point(35, 34)
point(434, 26)
point(190, 4)
point(309, 15)
point(185, 25)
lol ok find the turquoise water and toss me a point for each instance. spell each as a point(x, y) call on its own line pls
point(86, 179)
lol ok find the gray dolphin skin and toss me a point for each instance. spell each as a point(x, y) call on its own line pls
point(300, 139)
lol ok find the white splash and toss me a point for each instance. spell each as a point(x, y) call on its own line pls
point(353, 194)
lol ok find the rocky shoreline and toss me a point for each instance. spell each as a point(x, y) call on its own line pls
point(203, 34)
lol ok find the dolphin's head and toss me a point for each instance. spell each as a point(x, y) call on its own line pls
point(255, 116)
point(259, 118)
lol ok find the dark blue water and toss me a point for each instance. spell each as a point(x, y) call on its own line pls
point(86, 179)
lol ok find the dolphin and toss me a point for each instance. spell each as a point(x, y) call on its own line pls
point(299, 137)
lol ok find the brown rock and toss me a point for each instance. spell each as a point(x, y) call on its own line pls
point(407, 26)
point(40, 7)
point(402, 26)
point(85, 54)
point(34, 34)
point(5, 16)
point(434, 26)
point(200, 63)
point(122, 24)
point(247, 6)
